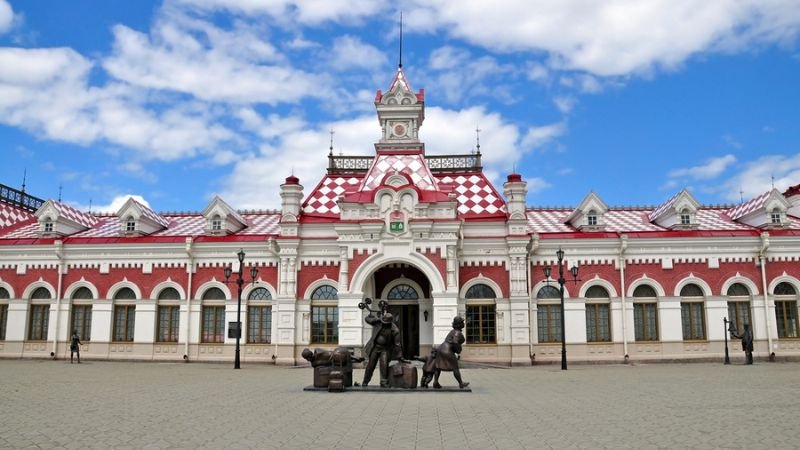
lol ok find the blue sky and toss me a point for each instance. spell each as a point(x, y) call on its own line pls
point(177, 101)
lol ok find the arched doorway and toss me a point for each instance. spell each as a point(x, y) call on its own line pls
point(407, 291)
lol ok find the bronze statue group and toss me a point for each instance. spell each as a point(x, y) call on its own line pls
point(333, 369)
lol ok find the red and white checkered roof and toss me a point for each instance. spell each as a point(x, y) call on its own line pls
point(10, 215)
point(749, 206)
point(79, 217)
point(413, 165)
point(322, 200)
point(475, 195)
point(151, 215)
point(258, 224)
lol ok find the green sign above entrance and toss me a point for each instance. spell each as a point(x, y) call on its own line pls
point(397, 227)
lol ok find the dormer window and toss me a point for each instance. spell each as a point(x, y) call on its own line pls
point(591, 218)
point(48, 227)
point(130, 224)
point(216, 224)
point(775, 217)
point(686, 217)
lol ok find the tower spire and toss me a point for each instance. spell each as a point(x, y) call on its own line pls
point(24, 176)
point(331, 147)
point(478, 139)
point(400, 62)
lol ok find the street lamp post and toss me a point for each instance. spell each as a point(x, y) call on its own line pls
point(239, 282)
point(561, 281)
point(729, 328)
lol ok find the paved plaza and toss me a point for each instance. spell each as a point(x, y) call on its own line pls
point(52, 404)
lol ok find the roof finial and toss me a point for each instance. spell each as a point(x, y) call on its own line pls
point(331, 148)
point(90, 206)
point(400, 63)
point(773, 181)
point(60, 188)
point(478, 139)
point(24, 176)
point(741, 194)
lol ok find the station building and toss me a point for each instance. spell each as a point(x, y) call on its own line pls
point(429, 234)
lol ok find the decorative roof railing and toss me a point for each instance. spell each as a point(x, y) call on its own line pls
point(19, 198)
point(454, 163)
point(436, 163)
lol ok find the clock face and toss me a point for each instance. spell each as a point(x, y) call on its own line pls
point(399, 130)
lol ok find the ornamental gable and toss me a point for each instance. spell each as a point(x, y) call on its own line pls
point(679, 212)
point(57, 219)
point(220, 218)
point(136, 219)
point(589, 215)
point(768, 210)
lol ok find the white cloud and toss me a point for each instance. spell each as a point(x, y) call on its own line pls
point(303, 151)
point(614, 37)
point(111, 207)
point(565, 103)
point(457, 75)
point(306, 12)
point(536, 137)
point(6, 16)
point(46, 92)
point(350, 53)
point(712, 168)
point(756, 177)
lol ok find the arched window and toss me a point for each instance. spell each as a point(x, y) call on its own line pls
point(213, 326)
point(41, 293)
point(169, 293)
point(786, 310)
point(480, 291)
point(686, 217)
point(4, 295)
point(325, 292)
point(260, 294)
point(739, 306)
point(548, 314)
point(324, 316)
point(598, 321)
point(259, 317)
point(168, 315)
point(645, 313)
point(81, 320)
point(214, 293)
point(775, 216)
point(481, 316)
point(124, 315)
point(548, 292)
point(402, 292)
point(39, 315)
point(125, 293)
point(693, 313)
point(591, 218)
point(130, 224)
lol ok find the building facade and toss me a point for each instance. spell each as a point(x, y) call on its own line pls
point(430, 235)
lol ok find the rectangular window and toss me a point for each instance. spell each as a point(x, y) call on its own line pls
point(480, 324)
point(82, 321)
point(168, 319)
point(739, 314)
point(645, 320)
point(3, 321)
point(259, 324)
point(591, 220)
point(40, 318)
point(776, 218)
point(48, 227)
point(598, 325)
point(324, 324)
point(548, 318)
point(213, 324)
point(693, 319)
point(786, 316)
point(686, 219)
point(124, 320)
point(130, 226)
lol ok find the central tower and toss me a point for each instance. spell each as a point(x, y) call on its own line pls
point(400, 113)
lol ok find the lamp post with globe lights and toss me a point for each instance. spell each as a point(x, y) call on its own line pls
point(561, 281)
point(239, 282)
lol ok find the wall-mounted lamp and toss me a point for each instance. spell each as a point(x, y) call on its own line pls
point(425, 314)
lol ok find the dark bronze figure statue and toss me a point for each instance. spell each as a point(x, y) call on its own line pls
point(447, 354)
point(325, 362)
point(428, 367)
point(383, 346)
point(747, 343)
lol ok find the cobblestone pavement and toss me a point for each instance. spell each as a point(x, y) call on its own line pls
point(52, 404)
